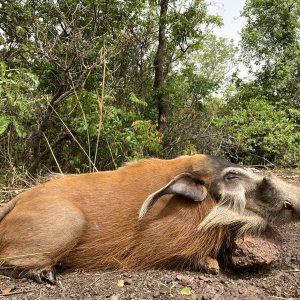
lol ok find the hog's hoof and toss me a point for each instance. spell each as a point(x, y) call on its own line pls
point(46, 275)
point(211, 266)
point(49, 276)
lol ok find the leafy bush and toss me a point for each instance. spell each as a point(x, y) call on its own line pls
point(260, 132)
point(123, 135)
point(16, 99)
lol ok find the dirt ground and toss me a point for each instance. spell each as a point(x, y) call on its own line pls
point(279, 281)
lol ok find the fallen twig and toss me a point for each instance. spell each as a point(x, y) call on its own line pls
point(19, 292)
point(100, 276)
point(281, 298)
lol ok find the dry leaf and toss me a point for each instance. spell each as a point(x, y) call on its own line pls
point(7, 290)
point(121, 283)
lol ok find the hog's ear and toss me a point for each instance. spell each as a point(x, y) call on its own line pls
point(185, 185)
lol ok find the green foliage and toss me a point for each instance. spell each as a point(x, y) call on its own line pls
point(259, 133)
point(271, 45)
point(127, 136)
point(123, 135)
point(136, 100)
point(17, 108)
point(260, 119)
point(4, 122)
point(55, 57)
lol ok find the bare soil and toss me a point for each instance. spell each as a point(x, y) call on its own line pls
point(278, 281)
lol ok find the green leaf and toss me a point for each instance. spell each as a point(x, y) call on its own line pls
point(135, 99)
point(3, 68)
point(20, 30)
point(20, 130)
point(4, 122)
point(186, 292)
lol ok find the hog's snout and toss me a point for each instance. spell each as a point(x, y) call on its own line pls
point(279, 201)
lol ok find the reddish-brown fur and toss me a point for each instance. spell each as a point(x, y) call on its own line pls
point(91, 221)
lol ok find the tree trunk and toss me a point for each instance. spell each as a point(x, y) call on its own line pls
point(159, 77)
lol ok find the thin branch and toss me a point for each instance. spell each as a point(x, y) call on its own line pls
point(53, 154)
point(100, 104)
point(74, 138)
point(20, 292)
point(112, 157)
point(85, 122)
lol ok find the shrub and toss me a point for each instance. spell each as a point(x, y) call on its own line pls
point(259, 132)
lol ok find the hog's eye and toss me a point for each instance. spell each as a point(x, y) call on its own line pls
point(232, 176)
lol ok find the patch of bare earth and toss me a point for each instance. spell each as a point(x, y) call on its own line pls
point(279, 281)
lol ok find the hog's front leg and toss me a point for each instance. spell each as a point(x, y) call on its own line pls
point(211, 265)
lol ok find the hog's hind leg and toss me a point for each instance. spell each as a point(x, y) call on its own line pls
point(36, 234)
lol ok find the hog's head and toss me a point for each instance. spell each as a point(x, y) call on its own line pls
point(246, 201)
point(250, 202)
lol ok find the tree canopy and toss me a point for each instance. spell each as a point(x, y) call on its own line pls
point(88, 85)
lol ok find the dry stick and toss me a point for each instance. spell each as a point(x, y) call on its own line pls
point(112, 157)
point(53, 154)
point(100, 276)
point(8, 190)
point(281, 298)
point(19, 292)
point(100, 104)
point(74, 138)
point(59, 283)
point(40, 295)
point(8, 146)
point(170, 289)
point(85, 121)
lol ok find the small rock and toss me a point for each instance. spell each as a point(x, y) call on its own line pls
point(7, 290)
point(264, 285)
point(250, 251)
point(128, 281)
point(156, 294)
point(277, 291)
point(184, 280)
point(50, 286)
point(115, 297)
point(149, 284)
point(293, 258)
point(204, 278)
